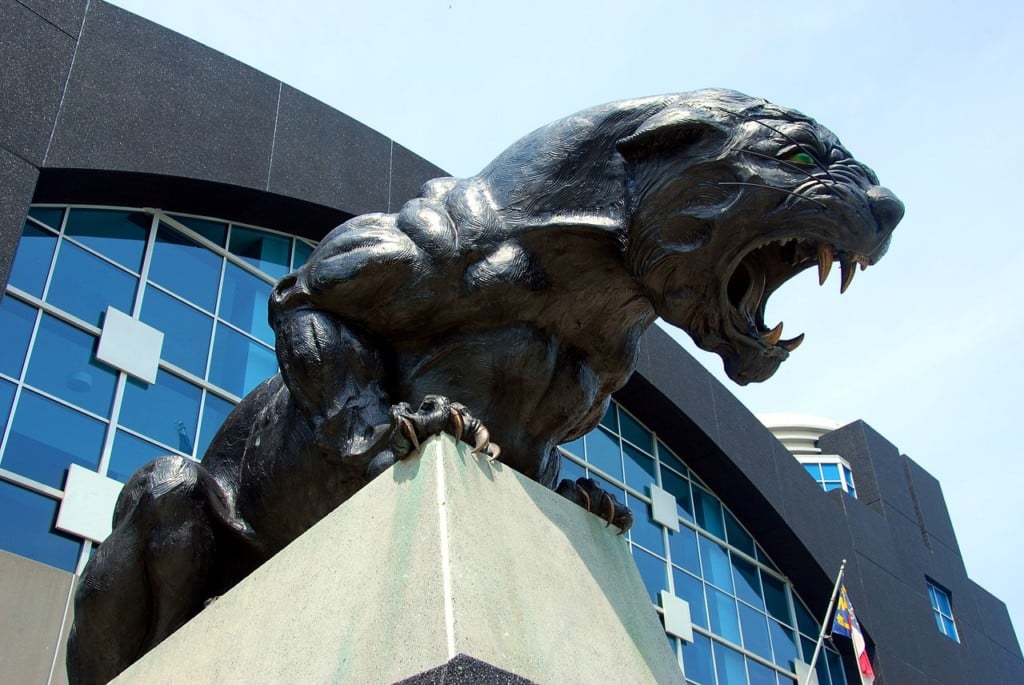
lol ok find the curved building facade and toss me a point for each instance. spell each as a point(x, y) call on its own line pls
point(152, 190)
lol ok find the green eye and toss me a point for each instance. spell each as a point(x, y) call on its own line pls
point(800, 158)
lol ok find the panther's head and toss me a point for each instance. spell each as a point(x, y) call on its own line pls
point(729, 197)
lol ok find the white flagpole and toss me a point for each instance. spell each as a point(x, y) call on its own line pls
point(824, 624)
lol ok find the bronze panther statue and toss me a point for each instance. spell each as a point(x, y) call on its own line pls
point(522, 293)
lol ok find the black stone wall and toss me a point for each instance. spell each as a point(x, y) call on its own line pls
point(100, 106)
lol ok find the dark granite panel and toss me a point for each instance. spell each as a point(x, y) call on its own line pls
point(409, 172)
point(871, 537)
point(892, 613)
point(1009, 666)
point(327, 157)
point(145, 99)
point(991, 617)
point(931, 504)
point(34, 60)
point(67, 15)
point(465, 670)
point(17, 180)
point(979, 656)
point(679, 377)
point(891, 669)
point(877, 466)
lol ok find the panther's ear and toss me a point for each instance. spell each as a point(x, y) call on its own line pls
point(672, 130)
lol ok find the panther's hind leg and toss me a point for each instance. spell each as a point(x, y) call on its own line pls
point(152, 573)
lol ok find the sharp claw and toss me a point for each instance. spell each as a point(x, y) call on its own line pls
point(494, 450)
point(585, 495)
point(410, 433)
point(460, 425)
point(611, 506)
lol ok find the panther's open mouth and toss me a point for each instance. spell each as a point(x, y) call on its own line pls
point(762, 270)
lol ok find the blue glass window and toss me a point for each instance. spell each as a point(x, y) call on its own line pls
point(51, 216)
point(214, 231)
point(26, 528)
point(680, 488)
point(748, 584)
point(830, 471)
point(46, 437)
point(639, 468)
point(185, 267)
point(63, 364)
point(646, 531)
point(684, 549)
point(775, 598)
point(735, 534)
point(167, 411)
point(129, 453)
point(240, 364)
point(85, 285)
point(729, 665)
point(215, 412)
point(762, 675)
point(116, 234)
point(697, 663)
point(610, 419)
point(783, 644)
point(268, 252)
point(243, 302)
point(805, 622)
point(603, 453)
point(571, 470)
point(942, 607)
point(635, 433)
point(722, 609)
point(691, 590)
point(653, 572)
point(6, 402)
point(576, 448)
point(708, 511)
point(186, 330)
point(16, 321)
point(755, 632)
point(715, 562)
point(32, 260)
point(302, 253)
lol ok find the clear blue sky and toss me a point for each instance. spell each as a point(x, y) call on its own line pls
point(924, 346)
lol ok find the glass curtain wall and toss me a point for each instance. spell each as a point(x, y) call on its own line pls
point(748, 624)
point(204, 283)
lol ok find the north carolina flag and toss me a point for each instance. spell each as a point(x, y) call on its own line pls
point(845, 623)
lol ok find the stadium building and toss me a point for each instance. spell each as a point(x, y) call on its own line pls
point(151, 192)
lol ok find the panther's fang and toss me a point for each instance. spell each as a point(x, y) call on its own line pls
point(825, 258)
point(772, 337)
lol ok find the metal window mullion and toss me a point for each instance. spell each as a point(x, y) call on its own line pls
point(30, 484)
point(4, 439)
point(122, 377)
point(150, 439)
point(83, 557)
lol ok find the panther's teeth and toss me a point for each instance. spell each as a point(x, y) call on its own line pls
point(846, 265)
point(792, 343)
point(825, 258)
point(862, 260)
point(772, 337)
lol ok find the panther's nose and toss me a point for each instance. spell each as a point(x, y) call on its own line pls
point(886, 208)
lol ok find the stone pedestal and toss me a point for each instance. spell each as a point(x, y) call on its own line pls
point(446, 568)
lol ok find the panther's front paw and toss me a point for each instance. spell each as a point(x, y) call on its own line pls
point(438, 415)
point(595, 499)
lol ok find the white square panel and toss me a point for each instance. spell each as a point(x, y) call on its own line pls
point(803, 669)
point(130, 345)
point(663, 508)
point(88, 504)
point(677, 616)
